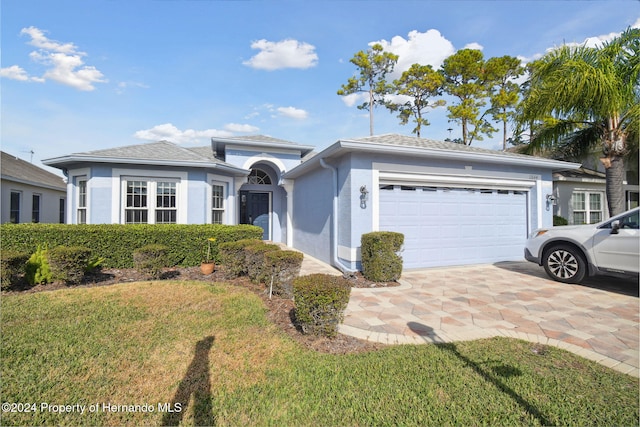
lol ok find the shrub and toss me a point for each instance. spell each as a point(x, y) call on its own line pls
point(68, 263)
point(281, 268)
point(12, 264)
point(254, 260)
point(115, 242)
point(558, 220)
point(232, 256)
point(380, 261)
point(37, 270)
point(150, 260)
point(320, 300)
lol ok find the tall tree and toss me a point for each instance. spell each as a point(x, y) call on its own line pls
point(465, 79)
point(583, 96)
point(501, 73)
point(416, 86)
point(373, 66)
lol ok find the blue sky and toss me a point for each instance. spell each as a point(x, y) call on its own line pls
point(81, 75)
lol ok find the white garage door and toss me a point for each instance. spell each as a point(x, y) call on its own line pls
point(455, 226)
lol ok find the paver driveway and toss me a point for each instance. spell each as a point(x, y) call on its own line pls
point(598, 320)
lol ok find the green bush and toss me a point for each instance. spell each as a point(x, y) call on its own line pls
point(254, 260)
point(281, 268)
point(114, 242)
point(150, 260)
point(232, 256)
point(320, 301)
point(12, 264)
point(380, 259)
point(68, 263)
point(37, 270)
point(558, 220)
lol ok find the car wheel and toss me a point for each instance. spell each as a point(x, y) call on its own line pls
point(565, 264)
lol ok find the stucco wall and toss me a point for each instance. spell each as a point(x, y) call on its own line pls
point(49, 202)
point(312, 210)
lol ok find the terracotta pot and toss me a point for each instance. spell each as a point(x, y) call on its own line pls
point(207, 267)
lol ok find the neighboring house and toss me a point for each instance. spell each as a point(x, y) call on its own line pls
point(580, 196)
point(455, 204)
point(30, 193)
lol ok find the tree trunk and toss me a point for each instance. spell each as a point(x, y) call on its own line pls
point(615, 172)
point(371, 112)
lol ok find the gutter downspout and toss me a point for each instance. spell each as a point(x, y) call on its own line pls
point(334, 244)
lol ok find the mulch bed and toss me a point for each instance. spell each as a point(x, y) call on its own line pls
point(280, 310)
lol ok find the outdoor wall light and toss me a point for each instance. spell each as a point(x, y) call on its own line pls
point(364, 196)
point(551, 200)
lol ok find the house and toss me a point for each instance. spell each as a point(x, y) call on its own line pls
point(30, 193)
point(455, 204)
point(580, 196)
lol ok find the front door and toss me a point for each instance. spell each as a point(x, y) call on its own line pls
point(254, 209)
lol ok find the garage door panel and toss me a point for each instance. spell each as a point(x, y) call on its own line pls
point(455, 226)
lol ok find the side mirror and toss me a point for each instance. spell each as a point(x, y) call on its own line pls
point(615, 227)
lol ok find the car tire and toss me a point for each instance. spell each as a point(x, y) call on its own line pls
point(564, 263)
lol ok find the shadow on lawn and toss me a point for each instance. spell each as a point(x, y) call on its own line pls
point(196, 382)
point(491, 375)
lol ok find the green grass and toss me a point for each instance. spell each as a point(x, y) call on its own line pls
point(210, 351)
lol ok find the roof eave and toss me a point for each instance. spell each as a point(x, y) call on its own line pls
point(64, 162)
point(304, 149)
point(62, 188)
point(344, 146)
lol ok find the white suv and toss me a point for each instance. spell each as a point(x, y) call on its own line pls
point(569, 253)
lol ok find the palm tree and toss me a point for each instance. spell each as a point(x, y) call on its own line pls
point(578, 97)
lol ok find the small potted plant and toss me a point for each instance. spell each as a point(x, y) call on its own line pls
point(207, 266)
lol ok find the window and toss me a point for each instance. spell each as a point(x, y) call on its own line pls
point(632, 199)
point(82, 202)
point(35, 208)
point(587, 207)
point(14, 210)
point(139, 208)
point(166, 203)
point(62, 208)
point(217, 204)
point(258, 176)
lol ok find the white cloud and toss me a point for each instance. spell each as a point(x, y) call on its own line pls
point(474, 46)
point(39, 40)
point(15, 72)
point(636, 24)
point(63, 61)
point(293, 113)
point(283, 54)
point(123, 86)
point(240, 128)
point(419, 48)
point(355, 98)
point(171, 133)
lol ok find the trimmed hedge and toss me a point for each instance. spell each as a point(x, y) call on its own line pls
point(150, 260)
point(254, 256)
point(233, 258)
point(68, 263)
point(114, 242)
point(12, 264)
point(558, 221)
point(320, 301)
point(380, 261)
point(282, 267)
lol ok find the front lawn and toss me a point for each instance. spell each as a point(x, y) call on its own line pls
point(175, 352)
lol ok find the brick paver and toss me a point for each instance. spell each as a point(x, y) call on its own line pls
point(508, 299)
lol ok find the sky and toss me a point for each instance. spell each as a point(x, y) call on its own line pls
point(83, 75)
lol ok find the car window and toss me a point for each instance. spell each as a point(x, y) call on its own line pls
point(631, 221)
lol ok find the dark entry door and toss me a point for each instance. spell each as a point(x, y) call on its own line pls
point(254, 209)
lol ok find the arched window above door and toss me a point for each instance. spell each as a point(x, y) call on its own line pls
point(258, 176)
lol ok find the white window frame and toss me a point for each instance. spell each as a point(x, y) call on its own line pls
point(587, 206)
point(227, 184)
point(119, 192)
point(152, 192)
point(220, 209)
point(82, 208)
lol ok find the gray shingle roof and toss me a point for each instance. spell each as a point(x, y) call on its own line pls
point(414, 142)
point(15, 169)
point(162, 150)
